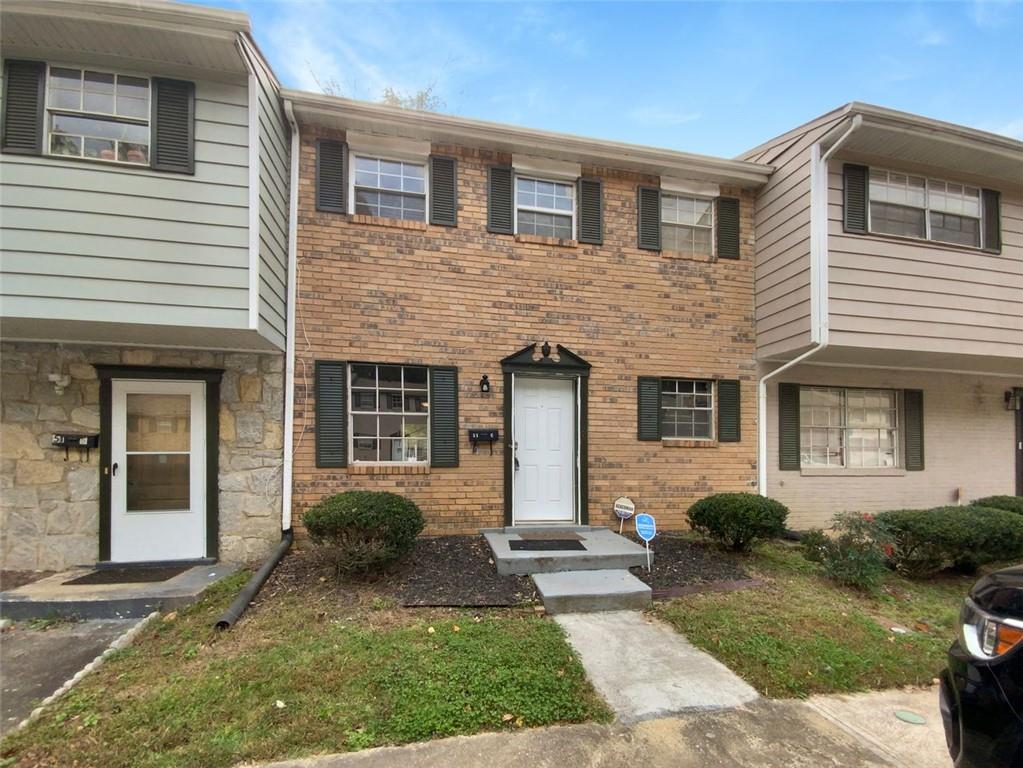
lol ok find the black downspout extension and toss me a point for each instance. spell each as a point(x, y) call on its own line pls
point(241, 603)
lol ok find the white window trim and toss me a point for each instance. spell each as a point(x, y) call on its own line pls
point(713, 221)
point(926, 209)
point(352, 414)
point(844, 468)
point(148, 122)
point(690, 187)
point(553, 180)
point(394, 158)
point(713, 410)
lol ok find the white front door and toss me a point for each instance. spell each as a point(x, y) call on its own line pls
point(544, 444)
point(158, 470)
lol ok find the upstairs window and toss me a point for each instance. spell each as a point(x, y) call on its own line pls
point(915, 206)
point(545, 208)
point(687, 224)
point(392, 189)
point(98, 115)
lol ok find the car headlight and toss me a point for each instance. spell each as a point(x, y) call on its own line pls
point(985, 636)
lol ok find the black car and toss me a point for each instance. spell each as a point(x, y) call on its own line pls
point(982, 689)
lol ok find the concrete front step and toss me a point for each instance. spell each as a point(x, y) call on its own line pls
point(588, 591)
point(603, 550)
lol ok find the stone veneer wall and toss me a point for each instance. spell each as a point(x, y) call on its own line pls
point(49, 508)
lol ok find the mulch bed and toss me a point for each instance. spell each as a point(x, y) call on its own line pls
point(454, 571)
point(458, 571)
point(683, 566)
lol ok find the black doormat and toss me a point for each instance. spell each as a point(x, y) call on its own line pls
point(130, 575)
point(546, 545)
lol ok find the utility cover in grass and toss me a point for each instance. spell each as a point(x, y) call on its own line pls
point(458, 571)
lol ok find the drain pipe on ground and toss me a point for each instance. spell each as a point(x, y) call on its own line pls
point(241, 603)
point(818, 287)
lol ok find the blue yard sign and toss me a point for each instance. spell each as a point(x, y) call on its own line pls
point(646, 529)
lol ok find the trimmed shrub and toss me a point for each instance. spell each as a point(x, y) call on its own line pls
point(1008, 503)
point(364, 530)
point(738, 520)
point(855, 554)
point(927, 540)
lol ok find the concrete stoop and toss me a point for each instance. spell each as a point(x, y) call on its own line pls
point(52, 597)
point(603, 550)
point(583, 591)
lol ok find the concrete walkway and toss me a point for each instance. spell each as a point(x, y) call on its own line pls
point(645, 669)
point(858, 731)
point(870, 718)
point(764, 734)
point(36, 662)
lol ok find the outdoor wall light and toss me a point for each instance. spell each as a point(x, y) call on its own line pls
point(485, 384)
point(1012, 400)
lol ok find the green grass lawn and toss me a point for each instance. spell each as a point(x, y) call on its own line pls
point(299, 676)
point(802, 634)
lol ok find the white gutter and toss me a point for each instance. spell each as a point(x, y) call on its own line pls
point(289, 347)
point(818, 287)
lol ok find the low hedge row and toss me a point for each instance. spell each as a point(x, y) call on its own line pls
point(927, 540)
point(1008, 503)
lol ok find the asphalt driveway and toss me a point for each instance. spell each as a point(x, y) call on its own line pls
point(36, 662)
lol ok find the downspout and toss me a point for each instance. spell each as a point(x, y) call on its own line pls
point(818, 287)
point(289, 352)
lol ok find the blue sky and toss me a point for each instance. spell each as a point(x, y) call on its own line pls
point(715, 78)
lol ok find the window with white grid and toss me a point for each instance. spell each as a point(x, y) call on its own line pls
point(389, 413)
point(687, 409)
point(842, 427)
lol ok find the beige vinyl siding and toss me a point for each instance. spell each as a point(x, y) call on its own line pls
point(87, 241)
point(274, 178)
point(898, 293)
point(969, 440)
point(782, 223)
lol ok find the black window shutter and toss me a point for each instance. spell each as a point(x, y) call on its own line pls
point(443, 191)
point(788, 426)
point(173, 129)
point(591, 211)
point(992, 221)
point(443, 416)
point(729, 411)
point(913, 405)
point(855, 198)
point(331, 414)
point(331, 183)
point(649, 218)
point(728, 227)
point(500, 200)
point(24, 95)
point(648, 391)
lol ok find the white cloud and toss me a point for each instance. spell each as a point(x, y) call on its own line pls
point(657, 115)
point(365, 48)
point(931, 37)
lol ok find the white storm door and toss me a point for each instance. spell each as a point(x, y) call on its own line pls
point(158, 470)
point(543, 465)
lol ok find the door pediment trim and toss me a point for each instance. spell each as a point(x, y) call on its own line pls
point(537, 357)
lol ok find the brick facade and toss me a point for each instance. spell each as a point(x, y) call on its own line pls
point(405, 292)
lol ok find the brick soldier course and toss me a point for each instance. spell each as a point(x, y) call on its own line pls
point(387, 291)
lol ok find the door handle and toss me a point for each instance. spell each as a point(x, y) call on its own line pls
point(113, 468)
point(515, 458)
